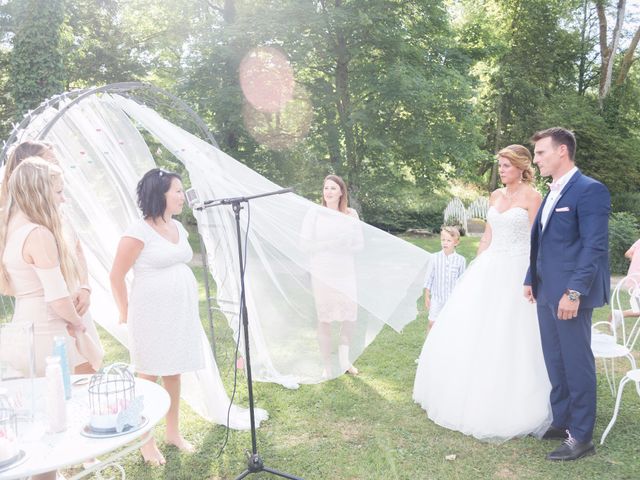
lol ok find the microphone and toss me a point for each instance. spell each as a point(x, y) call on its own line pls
point(193, 199)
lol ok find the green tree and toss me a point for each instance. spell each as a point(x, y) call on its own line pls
point(36, 69)
point(386, 84)
point(99, 46)
point(6, 102)
point(603, 152)
point(523, 56)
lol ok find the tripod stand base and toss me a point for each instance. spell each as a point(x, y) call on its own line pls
point(255, 465)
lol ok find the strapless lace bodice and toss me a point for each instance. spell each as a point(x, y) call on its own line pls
point(510, 231)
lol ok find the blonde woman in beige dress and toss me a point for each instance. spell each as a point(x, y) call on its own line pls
point(80, 290)
point(37, 267)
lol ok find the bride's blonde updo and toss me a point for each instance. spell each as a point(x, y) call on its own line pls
point(520, 157)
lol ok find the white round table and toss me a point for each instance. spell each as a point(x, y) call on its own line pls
point(71, 447)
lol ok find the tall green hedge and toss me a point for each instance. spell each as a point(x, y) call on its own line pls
point(623, 231)
point(399, 216)
point(36, 67)
point(627, 202)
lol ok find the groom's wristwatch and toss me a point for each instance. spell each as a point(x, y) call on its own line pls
point(573, 295)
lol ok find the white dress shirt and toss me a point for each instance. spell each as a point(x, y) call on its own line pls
point(554, 194)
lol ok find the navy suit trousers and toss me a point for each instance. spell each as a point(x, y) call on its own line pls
point(572, 374)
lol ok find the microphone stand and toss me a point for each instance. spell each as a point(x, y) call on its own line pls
point(255, 464)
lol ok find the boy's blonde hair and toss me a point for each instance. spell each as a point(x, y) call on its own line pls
point(451, 230)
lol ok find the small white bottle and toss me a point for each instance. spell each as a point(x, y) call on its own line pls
point(56, 405)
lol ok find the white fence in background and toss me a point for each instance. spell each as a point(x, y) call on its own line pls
point(457, 214)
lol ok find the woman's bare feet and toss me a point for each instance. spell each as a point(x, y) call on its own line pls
point(181, 444)
point(151, 454)
point(352, 370)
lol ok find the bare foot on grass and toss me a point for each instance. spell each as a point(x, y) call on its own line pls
point(151, 454)
point(181, 444)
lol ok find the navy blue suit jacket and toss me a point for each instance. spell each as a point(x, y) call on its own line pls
point(572, 251)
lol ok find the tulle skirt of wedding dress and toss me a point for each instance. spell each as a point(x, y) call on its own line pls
point(481, 370)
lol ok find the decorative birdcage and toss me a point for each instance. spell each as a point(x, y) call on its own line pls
point(9, 451)
point(113, 403)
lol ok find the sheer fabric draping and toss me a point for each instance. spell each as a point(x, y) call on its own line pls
point(294, 250)
point(316, 280)
point(103, 156)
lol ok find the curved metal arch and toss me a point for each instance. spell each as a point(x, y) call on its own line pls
point(122, 88)
point(80, 94)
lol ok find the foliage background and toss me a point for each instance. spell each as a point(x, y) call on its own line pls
point(409, 101)
point(398, 97)
point(368, 428)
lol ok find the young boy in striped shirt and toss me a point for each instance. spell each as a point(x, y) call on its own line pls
point(443, 273)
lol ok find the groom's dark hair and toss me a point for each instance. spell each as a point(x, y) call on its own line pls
point(559, 136)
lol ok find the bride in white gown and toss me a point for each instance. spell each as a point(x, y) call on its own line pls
point(481, 370)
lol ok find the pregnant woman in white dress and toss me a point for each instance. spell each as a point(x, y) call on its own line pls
point(481, 370)
point(162, 310)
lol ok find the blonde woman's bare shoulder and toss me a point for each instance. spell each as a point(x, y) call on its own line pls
point(40, 248)
point(41, 234)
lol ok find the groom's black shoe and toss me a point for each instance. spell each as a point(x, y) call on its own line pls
point(571, 449)
point(555, 433)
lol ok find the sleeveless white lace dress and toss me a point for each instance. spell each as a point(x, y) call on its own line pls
point(481, 370)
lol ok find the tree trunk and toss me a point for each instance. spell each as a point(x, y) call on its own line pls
point(229, 133)
point(628, 59)
point(608, 51)
point(333, 139)
point(229, 11)
point(497, 145)
point(343, 103)
point(582, 66)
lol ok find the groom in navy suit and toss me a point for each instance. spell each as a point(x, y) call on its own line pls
point(568, 277)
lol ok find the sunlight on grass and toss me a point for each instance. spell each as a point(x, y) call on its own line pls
point(367, 427)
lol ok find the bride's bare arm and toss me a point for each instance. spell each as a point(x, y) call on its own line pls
point(485, 240)
point(128, 252)
point(534, 199)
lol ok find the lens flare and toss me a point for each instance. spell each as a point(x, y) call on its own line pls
point(266, 79)
point(280, 130)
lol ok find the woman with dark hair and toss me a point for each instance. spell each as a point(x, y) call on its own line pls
point(161, 309)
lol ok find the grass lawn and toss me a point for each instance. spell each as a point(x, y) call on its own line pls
point(367, 427)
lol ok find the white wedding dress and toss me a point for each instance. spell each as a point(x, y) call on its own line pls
point(481, 370)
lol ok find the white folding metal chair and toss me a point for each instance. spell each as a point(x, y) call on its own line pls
point(630, 376)
point(616, 337)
